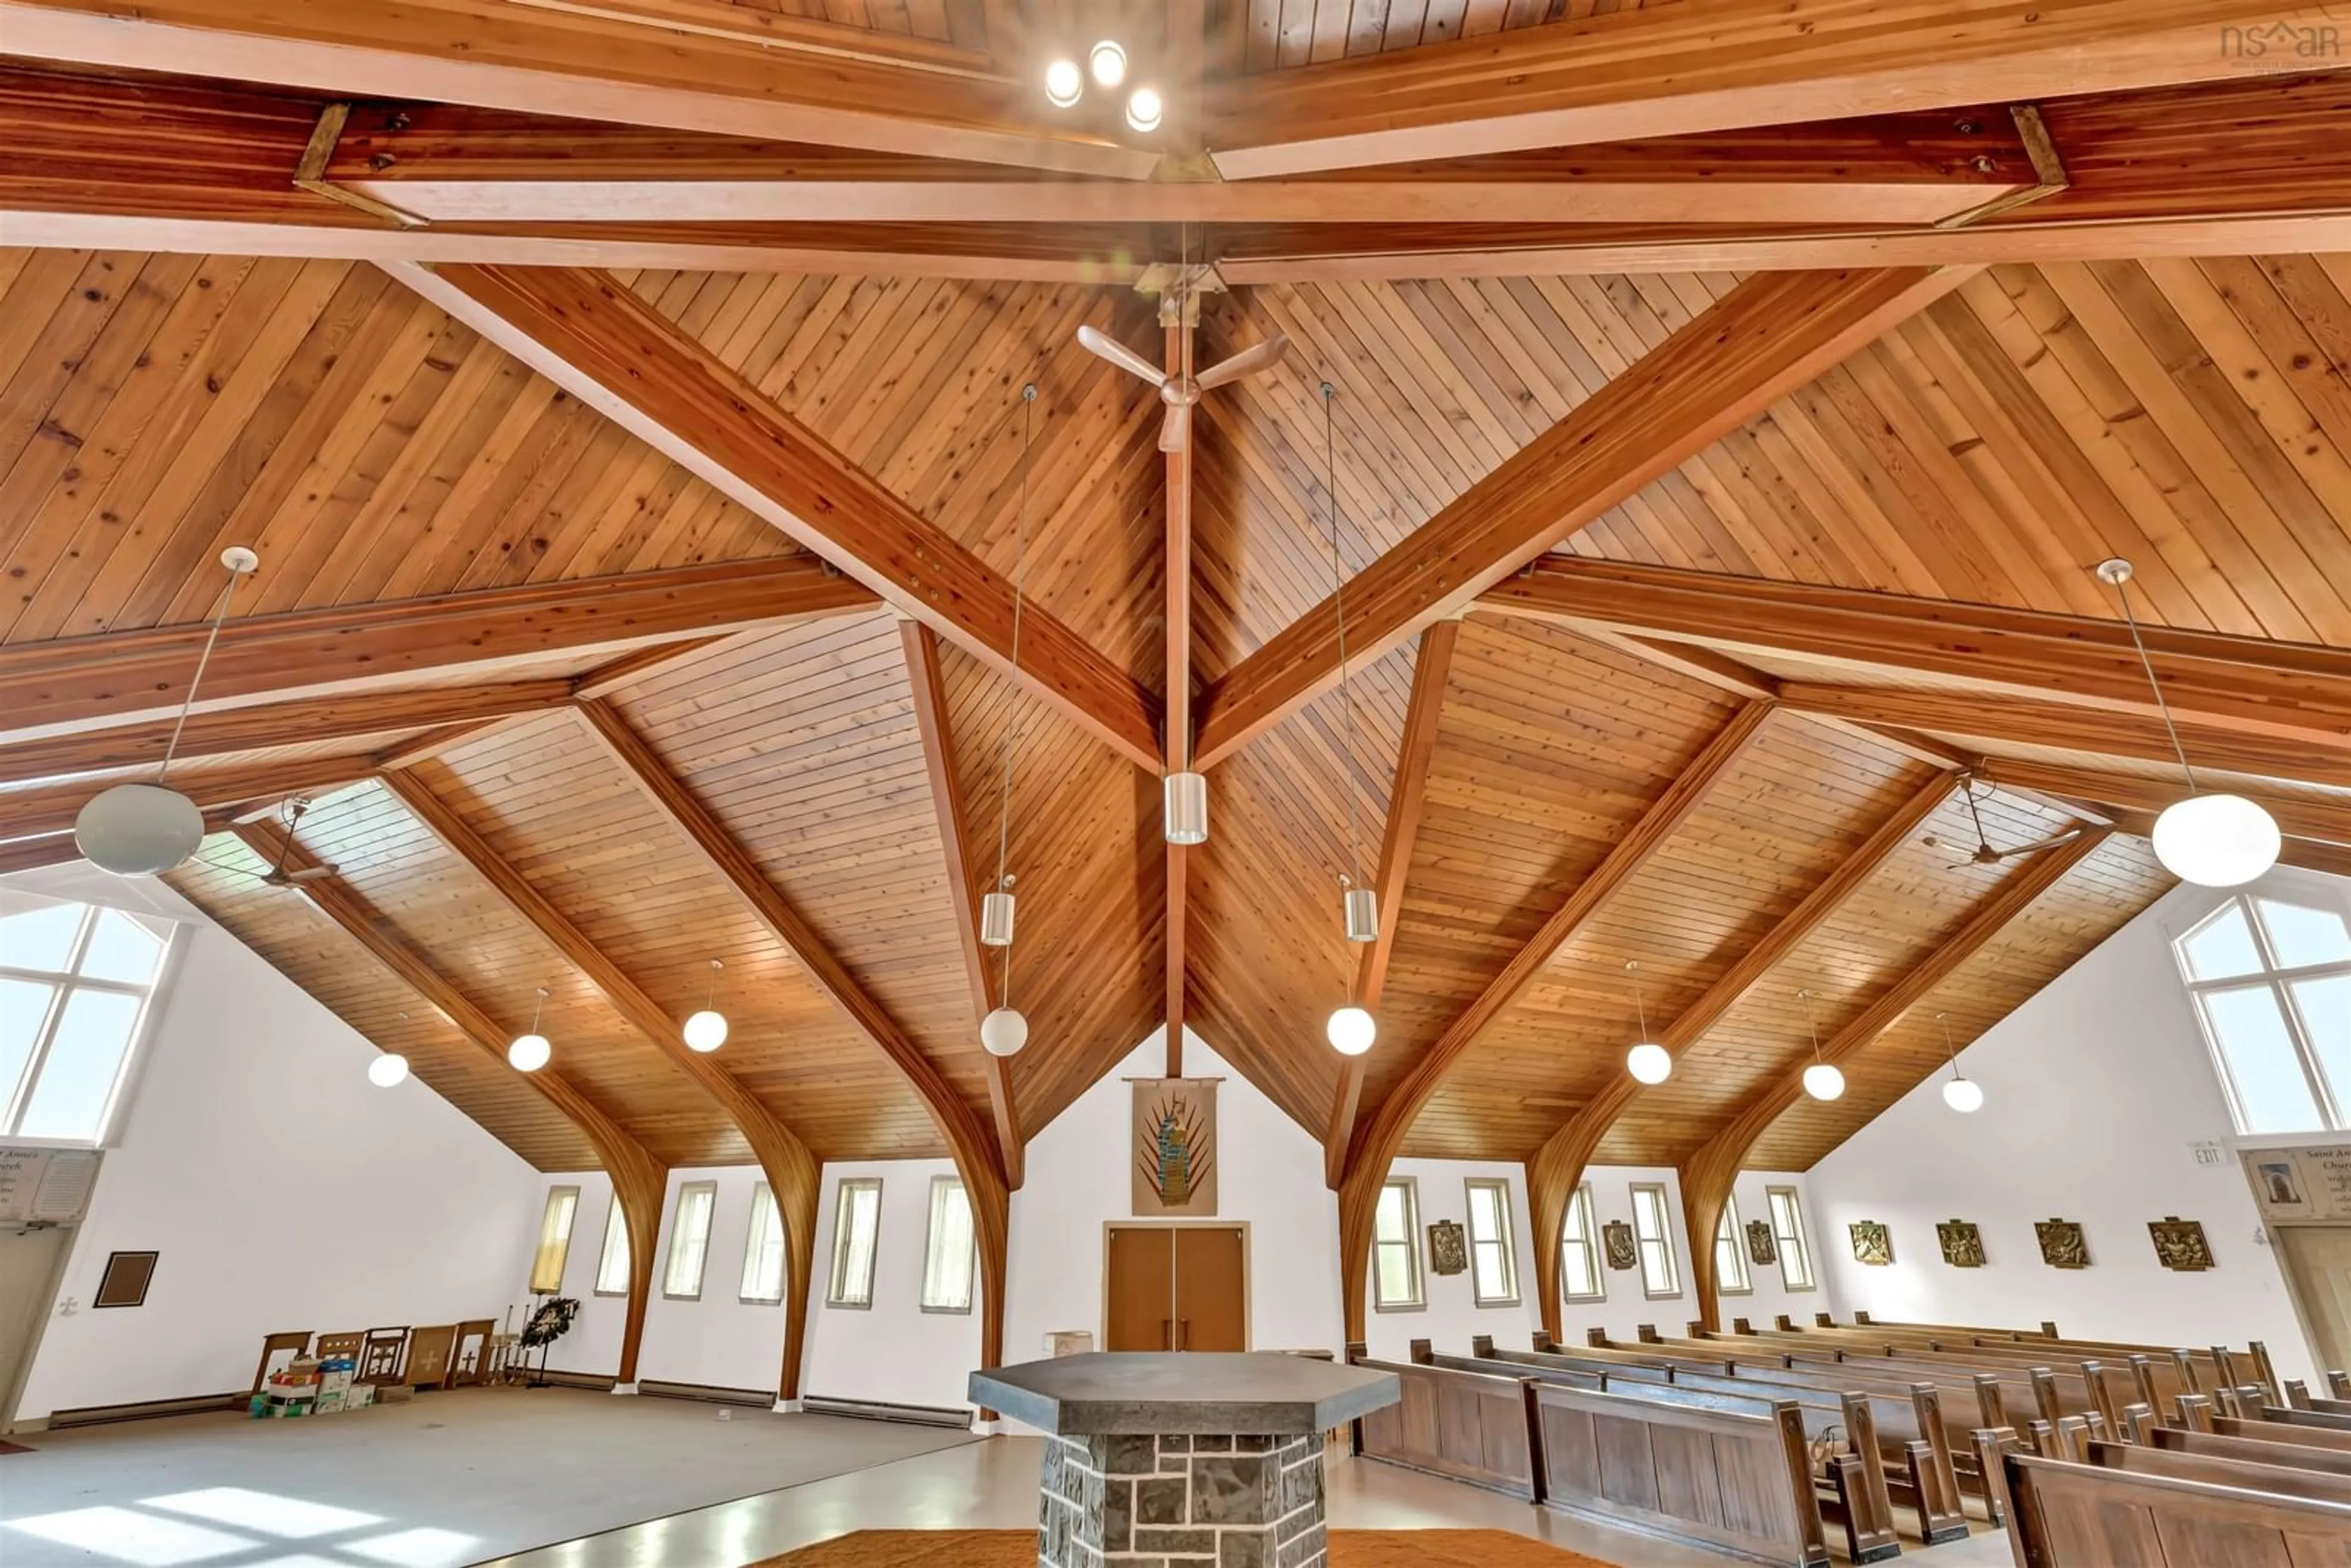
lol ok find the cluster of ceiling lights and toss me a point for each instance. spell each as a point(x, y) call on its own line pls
point(1065, 84)
point(1651, 1063)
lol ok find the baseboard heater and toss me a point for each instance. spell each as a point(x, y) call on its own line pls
point(880, 1410)
point(758, 1399)
point(145, 1410)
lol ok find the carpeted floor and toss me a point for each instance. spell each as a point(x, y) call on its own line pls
point(1017, 1549)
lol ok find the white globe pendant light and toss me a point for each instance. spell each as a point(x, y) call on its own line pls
point(706, 1031)
point(2212, 840)
point(1064, 83)
point(145, 829)
point(388, 1071)
point(1648, 1061)
point(1143, 110)
point(1823, 1081)
point(531, 1051)
point(1004, 1031)
point(1351, 1030)
point(1961, 1092)
point(1107, 60)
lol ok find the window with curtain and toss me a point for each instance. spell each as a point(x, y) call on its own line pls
point(1579, 1279)
point(1653, 1231)
point(1395, 1257)
point(1493, 1264)
point(1788, 1236)
point(554, 1240)
point(2271, 978)
point(689, 1241)
point(1731, 1254)
point(75, 983)
point(763, 1252)
point(950, 1253)
point(856, 1224)
point(613, 1265)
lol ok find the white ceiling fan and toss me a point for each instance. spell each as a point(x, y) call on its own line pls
point(278, 875)
point(1984, 853)
point(1180, 389)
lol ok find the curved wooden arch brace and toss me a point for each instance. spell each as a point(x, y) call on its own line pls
point(1553, 1173)
point(966, 1139)
point(1706, 1176)
point(791, 1171)
point(1377, 1143)
point(638, 1180)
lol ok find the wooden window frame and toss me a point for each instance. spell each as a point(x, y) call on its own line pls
point(1506, 1241)
point(752, 1248)
point(1418, 1301)
point(1664, 1242)
point(1729, 1229)
point(930, 1248)
point(678, 1231)
point(843, 1191)
point(562, 1247)
point(1802, 1238)
point(614, 1215)
point(1580, 1207)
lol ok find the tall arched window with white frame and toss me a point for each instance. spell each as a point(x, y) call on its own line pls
point(76, 982)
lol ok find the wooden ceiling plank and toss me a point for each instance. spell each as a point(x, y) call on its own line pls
point(639, 1181)
point(1376, 1142)
point(1407, 796)
point(2324, 821)
point(537, 60)
point(1668, 69)
point(1556, 1169)
point(1708, 1174)
point(791, 1171)
point(308, 721)
point(2280, 692)
point(976, 1155)
point(1768, 335)
point(50, 808)
point(920, 648)
point(126, 677)
point(594, 337)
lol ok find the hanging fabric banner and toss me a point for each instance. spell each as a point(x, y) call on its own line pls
point(1175, 1147)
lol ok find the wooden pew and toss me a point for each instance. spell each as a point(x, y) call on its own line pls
point(2069, 1515)
point(2252, 1451)
point(1738, 1481)
point(2286, 1480)
point(2201, 1369)
point(1460, 1425)
point(2256, 1429)
point(2106, 1384)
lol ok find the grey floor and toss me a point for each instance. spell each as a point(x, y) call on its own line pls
point(444, 1480)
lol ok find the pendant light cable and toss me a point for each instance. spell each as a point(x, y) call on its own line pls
point(1020, 581)
point(220, 614)
point(1950, 1050)
point(2118, 572)
point(1812, 1025)
point(1338, 604)
point(1640, 1007)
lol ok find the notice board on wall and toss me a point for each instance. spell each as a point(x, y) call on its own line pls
point(46, 1187)
point(2302, 1185)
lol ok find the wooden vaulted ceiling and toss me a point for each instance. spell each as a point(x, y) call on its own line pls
point(1711, 731)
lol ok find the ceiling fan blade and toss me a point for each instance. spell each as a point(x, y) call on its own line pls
point(1242, 363)
point(309, 873)
point(2063, 837)
point(1175, 429)
point(1119, 354)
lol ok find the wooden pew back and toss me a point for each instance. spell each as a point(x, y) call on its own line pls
point(2081, 1516)
point(1464, 1426)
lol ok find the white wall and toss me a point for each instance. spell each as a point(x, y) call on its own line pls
point(719, 1340)
point(2097, 1091)
point(593, 1346)
point(892, 1351)
point(1452, 1315)
point(1770, 1295)
point(282, 1189)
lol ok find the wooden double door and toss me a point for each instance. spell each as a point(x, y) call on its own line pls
point(1176, 1287)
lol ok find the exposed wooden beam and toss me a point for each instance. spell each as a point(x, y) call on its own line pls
point(1407, 795)
point(2290, 692)
point(1176, 722)
point(124, 677)
point(920, 646)
point(595, 338)
point(791, 1171)
point(638, 1180)
point(1670, 69)
point(1557, 1168)
point(1767, 337)
point(2020, 721)
point(1376, 1143)
point(570, 62)
point(1707, 1174)
point(2320, 820)
point(306, 722)
point(50, 810)
point(974, 1155)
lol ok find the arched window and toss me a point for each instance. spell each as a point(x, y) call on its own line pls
point(2271, 977)
point(75, 984)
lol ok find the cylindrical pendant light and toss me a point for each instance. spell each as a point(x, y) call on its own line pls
point(1188, 808)
point(2214, 841)
point(1647, 1061)
point(531, 1051)
point(1822, 1079)
point(706, 1031)
point(1004, 1030)
point(1363, 915)
point(1962, 1093)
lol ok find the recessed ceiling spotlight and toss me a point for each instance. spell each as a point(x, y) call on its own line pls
point(1108, 61)
point(1143, 110)
point(1064, 83)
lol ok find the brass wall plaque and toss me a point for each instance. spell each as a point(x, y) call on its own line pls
point(1962, 1244)
point(2179, 1244)
point(1617, 1239)
point(2062, 1245)
point(1761, 1247)
point(1871, 1242)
